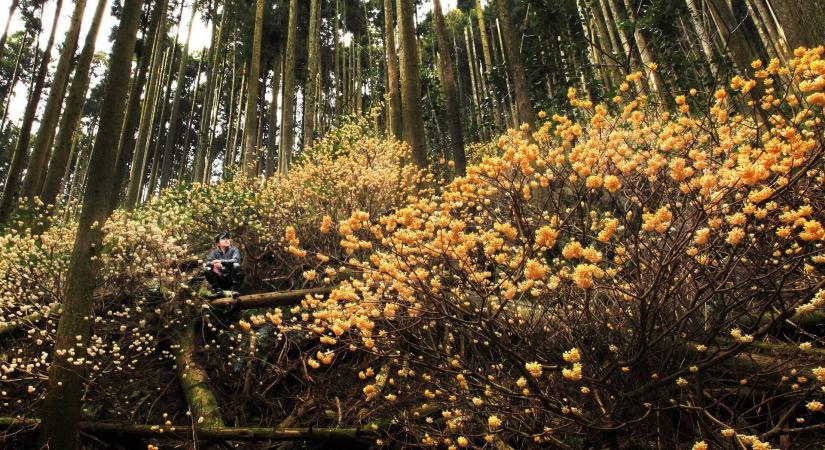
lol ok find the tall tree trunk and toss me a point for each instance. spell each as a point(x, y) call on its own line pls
point(313, 72)
point(646, 53)
point(481, 88)
point(594, 52)
point(604, 23)
point(12, 9)
point(337, 57)
point(74, 106)
point(488, 63)
point(802, 21)
point(474, 87)
point(147, 111)
point(359, 81)
point(271, 143)
point(230, 114)
point(768, 20)
point(162, 119)
point(261, 117)
point(201, 155)
point(172, 134)
point(346, 68)
point(131, 123)
point(607, 53)
point(411, 84)
point(215, 111)
point(250, 151)
point(395, 123)
point(36, 170)
point(288, 102)
point(154, 123)
point(733, 34)
point(450, 94)
point(22, 146)
point(72, 160)
point(764, 36)
point(184, 155)
point(61, 407)
point(630, 55)
point(5, 99)
point(701, 32)
point(231, 151)
point(523, 105)
point(510, 96)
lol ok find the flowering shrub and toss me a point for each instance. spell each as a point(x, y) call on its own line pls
point(143, 293)
point(348, 170)
point(635, 278)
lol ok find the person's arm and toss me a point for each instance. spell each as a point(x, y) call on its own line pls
point(209, 258)
point(233, 255)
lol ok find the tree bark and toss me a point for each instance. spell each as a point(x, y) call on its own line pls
point(313, 80)
point(71, 115)
point(15, 76)
point(411, 84)
point(22, 146)
point(230, 112)
point(802, 21)
point(172, 134)
point(250, 154)
point(61, 407)
point(236, 127)
point(194, 382)
point(187, 141)
point(126, 146)
point(186, 432)
point(646, 53)
point(269, 299)
point(12, 9)
point(733, 35)
point(288, 103)
point(358, 81)
point(271, 143)
point(395, 124)
point(701, 32)
point(337, 57)
point(161, 129)
point(524, 107)
point(200, 165)
point(630, 55)
point(36, 170)
point(488, 64)
point(767, 19)
point(478, 82)
point(513, 112)
point(147, 112)
point(450, 94)
point(605, 27)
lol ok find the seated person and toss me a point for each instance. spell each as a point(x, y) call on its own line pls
point(223, 266)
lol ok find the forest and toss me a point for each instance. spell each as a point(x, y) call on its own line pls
point(498, 224)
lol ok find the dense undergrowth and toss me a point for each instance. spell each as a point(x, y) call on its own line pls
point(625, 278)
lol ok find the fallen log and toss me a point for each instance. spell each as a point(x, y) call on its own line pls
point(775, 348)
point(194, 382)
point(186, 432)
point(268, 299)
point(804, 321)
point(746, 364)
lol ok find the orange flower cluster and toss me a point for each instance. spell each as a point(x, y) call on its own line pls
point(634, 237)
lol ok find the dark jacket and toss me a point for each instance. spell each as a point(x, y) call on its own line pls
point(232, 255)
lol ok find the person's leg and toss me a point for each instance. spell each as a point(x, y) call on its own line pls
point(236, 274)
point(213, 279)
